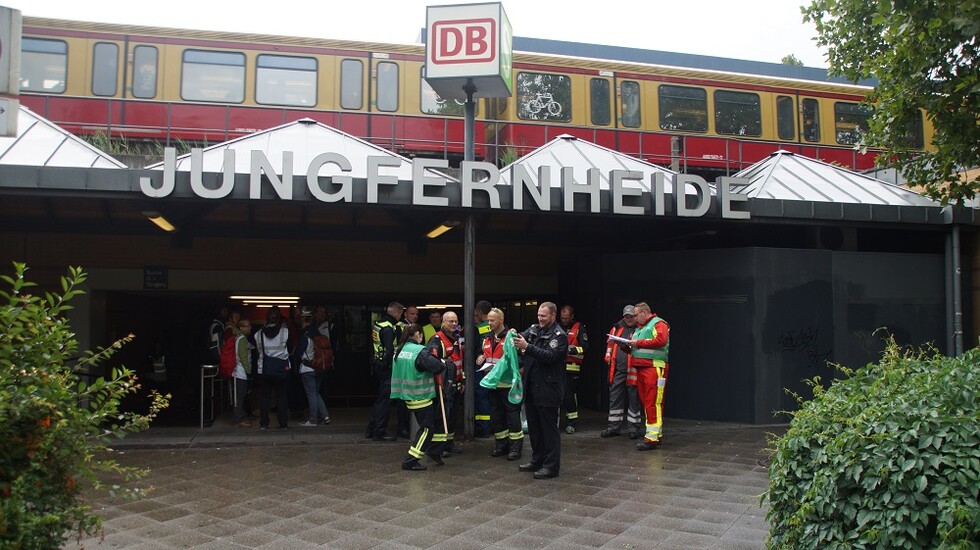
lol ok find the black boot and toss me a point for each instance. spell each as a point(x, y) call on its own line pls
point(515, 449)
point(501, 448)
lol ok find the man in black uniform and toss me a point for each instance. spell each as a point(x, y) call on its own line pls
point(543, 349)
point(383, 337)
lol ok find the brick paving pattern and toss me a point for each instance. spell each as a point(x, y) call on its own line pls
point(326, 487)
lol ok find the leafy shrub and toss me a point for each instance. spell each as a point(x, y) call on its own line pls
point(888, 457)
point(54, 427)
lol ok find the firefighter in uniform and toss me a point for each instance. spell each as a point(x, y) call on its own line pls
point(481, 395)
point(622, 393)
point(383, 338)
point(445, 346)
point(578, 344)
point(505, 417)
point(543, 349)
point(650, 345)
point(413, 377)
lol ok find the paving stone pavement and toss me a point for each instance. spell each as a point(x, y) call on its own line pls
point(328, 487)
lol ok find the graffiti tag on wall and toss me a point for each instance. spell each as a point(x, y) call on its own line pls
point(805, 341)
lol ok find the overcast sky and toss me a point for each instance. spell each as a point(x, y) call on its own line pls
point(759, 30)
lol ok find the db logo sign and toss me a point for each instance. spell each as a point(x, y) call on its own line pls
point(463, 41)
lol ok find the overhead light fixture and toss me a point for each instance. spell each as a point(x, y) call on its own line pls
point(160, 221)
point(265, 301)
point(442, 228)
point(439, 306)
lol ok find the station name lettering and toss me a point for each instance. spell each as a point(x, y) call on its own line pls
point(630, 193)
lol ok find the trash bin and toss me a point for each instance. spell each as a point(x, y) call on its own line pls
point(209, 377)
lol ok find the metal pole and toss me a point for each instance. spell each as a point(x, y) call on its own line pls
point(469, 277)
point(957, 298)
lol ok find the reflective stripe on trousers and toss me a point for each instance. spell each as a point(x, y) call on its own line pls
point(650, 384)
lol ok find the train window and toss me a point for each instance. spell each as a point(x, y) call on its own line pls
point(387, 86)
point(544, 97)
point(683, 108)
point(738, 113)
point(631, 103)
point(850, 122)
point(105, 69)
point(213, 76)
point(914, 137)
point(785, 117)
point(43, 65)
point(351, 84)
point(434, 104)
point(599, 101)
point(285, 80)
point(811, 120)
point(145, 72)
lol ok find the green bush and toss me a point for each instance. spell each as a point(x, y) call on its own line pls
point(55, 429)
point(888, 457)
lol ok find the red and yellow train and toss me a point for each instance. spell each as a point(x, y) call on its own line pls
point(146, 83)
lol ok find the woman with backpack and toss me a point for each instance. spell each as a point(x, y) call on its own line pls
point(310, 370)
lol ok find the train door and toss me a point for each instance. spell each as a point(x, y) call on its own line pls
point(811, 126)
point(600, 109)
point(387, 94)
point(351, 78)
point(629, 117)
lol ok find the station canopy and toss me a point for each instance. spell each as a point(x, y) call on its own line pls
point(570, 152)
point(787, 176)
point(42, 143)
point(305, 139)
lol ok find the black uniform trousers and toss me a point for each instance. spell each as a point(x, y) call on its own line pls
point(545, 435)
point(504, 415)
point(422, 442)
point(381, 409)
point(267, 385)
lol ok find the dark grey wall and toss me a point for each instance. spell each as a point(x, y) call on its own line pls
point(748, 323)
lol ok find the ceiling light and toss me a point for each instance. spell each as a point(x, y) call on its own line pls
point(442, 228)
point(266, 298)
point(160, 221)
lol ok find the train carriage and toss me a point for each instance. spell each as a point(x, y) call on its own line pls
point(161, 85)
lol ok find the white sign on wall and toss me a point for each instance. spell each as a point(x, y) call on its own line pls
point(469, 43)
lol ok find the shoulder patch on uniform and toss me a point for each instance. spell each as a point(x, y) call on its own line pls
point(553, 344)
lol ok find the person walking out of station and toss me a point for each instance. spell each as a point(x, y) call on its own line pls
point(544, 347)
point(650, 345)
point(623, 398)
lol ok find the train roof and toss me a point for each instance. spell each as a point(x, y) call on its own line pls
point(676, 59)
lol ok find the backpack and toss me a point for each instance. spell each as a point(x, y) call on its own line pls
point(322, 354)
point(228, 358)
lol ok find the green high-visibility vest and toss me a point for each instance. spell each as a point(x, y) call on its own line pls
point(407, 383)
point(645, 333)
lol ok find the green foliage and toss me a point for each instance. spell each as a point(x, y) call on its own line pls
point(54, 426)
point(888, 457)
point(924, 55)
point(123, 146)
point(791, 60)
